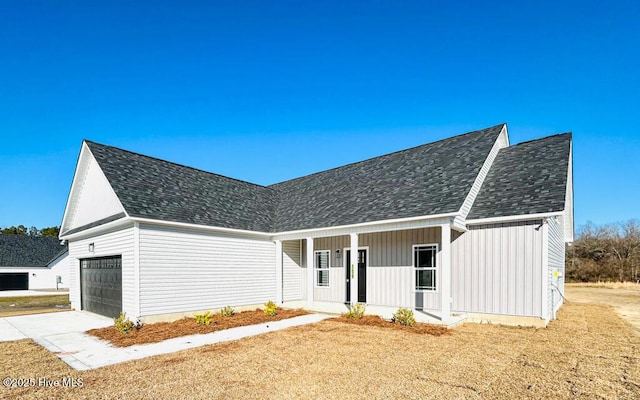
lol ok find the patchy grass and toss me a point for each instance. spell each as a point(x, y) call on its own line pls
point(588, 353)
point(10, 306)
point(608, 285)
point(374, 320)
point(626, 301)
point(153, 333)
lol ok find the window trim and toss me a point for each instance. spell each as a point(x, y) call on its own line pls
point(436, 268)
point(317, 269)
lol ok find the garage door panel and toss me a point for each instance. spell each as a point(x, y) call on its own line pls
point(101, 284)
point(14, 281)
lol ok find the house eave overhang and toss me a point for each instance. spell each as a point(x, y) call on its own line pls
point(95, 230)
point(366, 227)
point(512, 218)
point(152, 221)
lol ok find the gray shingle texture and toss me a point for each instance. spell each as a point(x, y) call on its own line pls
point(528, 178)
point(431, 179)
point(29, 251)
point(151, 188)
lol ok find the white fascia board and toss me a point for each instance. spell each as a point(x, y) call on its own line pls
point(436, 219)
point(83, 149)
point(512, 218)
point(98, 229)
point(361, 228)
point(150, 221)
point(84, 159)
point(458, 227)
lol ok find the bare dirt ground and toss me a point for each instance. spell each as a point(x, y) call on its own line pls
point(625, 299)
point(588, 353)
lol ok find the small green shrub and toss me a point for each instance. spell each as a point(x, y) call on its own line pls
point(356, 311)
point(124, 324)
point(270, 308)
point(227, 311)
point(203, 319)
point(404, 316)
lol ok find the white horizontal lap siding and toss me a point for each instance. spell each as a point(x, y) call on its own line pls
point(292, 271)
point(186, 270)
point(115, 243)
point(556, 260)
point(390, 270)
point(496, 269)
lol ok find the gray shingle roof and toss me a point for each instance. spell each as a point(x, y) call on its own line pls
point(527, 178)
point(431, 179)
point(151, 188)
point(29, 251)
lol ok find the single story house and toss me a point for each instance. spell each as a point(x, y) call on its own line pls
point(467, 227)
point(32, 262)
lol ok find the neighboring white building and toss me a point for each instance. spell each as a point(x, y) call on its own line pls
point(28, 262)
point(466, 227)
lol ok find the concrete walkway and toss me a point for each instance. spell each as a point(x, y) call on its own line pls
point(63, 334)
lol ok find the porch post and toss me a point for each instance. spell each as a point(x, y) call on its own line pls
point(310, 272)
point(445, 273)
point(278, 272)
point(354, 268)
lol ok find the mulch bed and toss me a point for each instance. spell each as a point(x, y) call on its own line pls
point(153, 333)
point(374, 320)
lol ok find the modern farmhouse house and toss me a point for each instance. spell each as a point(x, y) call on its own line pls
point(468, 227)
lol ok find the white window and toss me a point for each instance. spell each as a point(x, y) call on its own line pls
point(321, 264)
point(424, 263)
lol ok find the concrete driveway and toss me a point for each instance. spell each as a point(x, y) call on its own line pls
point(61, 333)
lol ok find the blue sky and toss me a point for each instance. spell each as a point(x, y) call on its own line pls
point(268, 91)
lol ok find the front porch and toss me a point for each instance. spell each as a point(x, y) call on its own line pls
point(383, 266)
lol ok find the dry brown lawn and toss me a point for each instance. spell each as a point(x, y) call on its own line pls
point(588, 353)
point(623, 297)
point(10, 306)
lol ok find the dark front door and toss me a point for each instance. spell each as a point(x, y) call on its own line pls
point(101, 285)
point(14, 281)
point(362, 276)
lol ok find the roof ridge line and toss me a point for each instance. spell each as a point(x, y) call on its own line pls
point(569, 133)
point(387, 154)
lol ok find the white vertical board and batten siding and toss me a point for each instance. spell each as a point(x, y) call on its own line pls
point(114, 243)
point(390, 271)
point(337, 290)
point(496, 269)
point(293, 274)
point(184, 270)
point(556, 261)
point(389, 268)
point(501, 142)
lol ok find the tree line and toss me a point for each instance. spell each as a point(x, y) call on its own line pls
point(52, 231)
point(608, 252)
